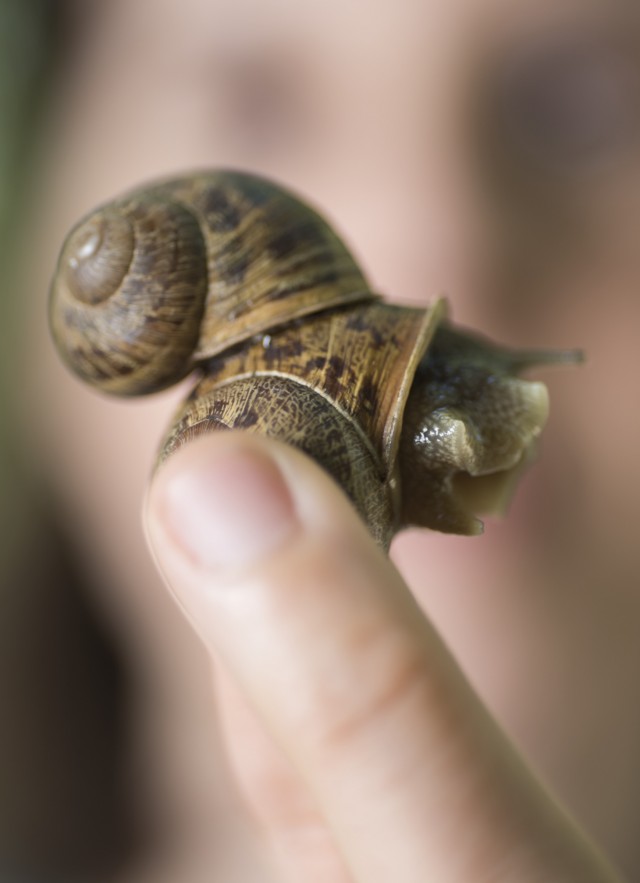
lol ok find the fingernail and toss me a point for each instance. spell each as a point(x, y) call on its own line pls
point(224, 510)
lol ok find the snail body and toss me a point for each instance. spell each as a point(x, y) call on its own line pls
point(229, 275)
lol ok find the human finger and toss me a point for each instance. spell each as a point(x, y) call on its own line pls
point(280, 578)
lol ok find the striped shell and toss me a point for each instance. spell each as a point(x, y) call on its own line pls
point(233, 277)
point(150, 285)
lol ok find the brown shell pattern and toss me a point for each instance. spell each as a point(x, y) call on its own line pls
point(270, 258)
point(334, 385)
point(235, 277)
point(151, 284)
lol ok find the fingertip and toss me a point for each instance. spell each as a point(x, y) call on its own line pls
point(221, 502)
point(232, 504)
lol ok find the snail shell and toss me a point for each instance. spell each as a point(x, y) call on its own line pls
point(230, 274)
point(152, 284)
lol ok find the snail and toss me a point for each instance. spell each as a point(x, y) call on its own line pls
point(233, 277)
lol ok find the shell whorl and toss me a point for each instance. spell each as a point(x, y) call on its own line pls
point(128, 295)
point(149, 285)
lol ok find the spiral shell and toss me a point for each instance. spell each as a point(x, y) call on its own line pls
point(129, 294)
point(418, 422)
point(151, 285)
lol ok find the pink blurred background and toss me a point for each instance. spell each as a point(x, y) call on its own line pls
point(487, 150)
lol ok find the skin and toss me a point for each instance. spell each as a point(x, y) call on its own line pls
point(390, 767)
point(541, 614)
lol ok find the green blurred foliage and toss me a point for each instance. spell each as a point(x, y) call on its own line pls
point(26, 48)
point(60, 710)
point(27, 45)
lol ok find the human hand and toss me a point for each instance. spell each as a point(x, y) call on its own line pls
point(362, 750)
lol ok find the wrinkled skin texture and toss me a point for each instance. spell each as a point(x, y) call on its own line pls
point(543, 612)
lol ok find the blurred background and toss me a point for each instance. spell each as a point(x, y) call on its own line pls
point(61, 812)
point(488, 150)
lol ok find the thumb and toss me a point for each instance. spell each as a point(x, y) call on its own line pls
point(278, 575)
